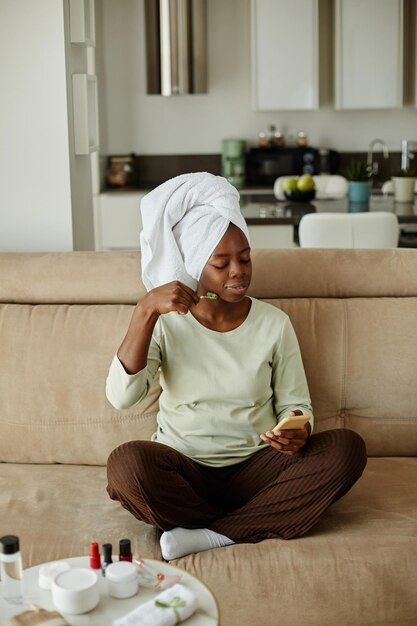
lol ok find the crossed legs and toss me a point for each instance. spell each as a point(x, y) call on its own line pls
point(268, 495)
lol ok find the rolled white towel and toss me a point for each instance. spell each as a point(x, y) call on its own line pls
point(183, 221)
point(172, 606)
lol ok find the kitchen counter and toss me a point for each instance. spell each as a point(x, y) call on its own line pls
point(272, 223)
point(269, 210)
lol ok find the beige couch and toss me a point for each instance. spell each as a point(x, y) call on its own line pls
point(62, 317)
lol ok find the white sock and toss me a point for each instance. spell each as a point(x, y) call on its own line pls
point(180, 541)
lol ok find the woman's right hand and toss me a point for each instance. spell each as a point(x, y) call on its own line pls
point(174, 296)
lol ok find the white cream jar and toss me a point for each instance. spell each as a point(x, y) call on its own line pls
point(122, 579)
point(75, 591)
point(49, 571)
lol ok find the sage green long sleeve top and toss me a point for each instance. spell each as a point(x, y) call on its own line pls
point(220, 390)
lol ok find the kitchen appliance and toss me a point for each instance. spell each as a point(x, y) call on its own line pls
point(176, 46)
point(234, 161)
point(265, 165)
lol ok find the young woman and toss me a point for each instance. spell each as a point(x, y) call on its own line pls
point(215, 473)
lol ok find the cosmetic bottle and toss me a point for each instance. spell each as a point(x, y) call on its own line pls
point(125, 550)
point(95, 560)
point(107, 560)
point(11, 569)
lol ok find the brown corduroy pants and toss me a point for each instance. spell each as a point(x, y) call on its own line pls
point(268, 495)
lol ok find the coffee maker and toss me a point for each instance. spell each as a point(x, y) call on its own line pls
point(233, 161)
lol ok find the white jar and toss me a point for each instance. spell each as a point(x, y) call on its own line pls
point(122, 578)
point(49, 571)
point(75, 591)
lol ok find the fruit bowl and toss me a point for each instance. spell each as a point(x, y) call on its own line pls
point(300, 196)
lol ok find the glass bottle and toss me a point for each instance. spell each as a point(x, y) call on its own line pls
point(263, 139)
point(107, 557)
point(302, 139)
point(11, 569)
point(125, 550)
point(276, 138)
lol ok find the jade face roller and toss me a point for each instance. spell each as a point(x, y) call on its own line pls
point(210, 295)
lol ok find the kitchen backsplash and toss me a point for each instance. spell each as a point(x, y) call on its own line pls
point(152, 170)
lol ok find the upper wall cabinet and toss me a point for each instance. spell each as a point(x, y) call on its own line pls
point(369, 54)
point(284, 39)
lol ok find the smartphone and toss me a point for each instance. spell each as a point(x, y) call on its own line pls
point(291, 421)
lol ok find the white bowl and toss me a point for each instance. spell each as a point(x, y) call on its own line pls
point(75, 591)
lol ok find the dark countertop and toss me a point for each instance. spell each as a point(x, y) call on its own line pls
point(259, 206)
point(268, 210)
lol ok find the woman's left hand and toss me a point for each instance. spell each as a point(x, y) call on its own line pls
point(287, 441)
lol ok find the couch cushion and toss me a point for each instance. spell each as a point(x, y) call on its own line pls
point(63, 315)
point(53, 407)
point(360, 357)
point(70, 277)
point(115, 277)
point(57, 510)
point(357, 566)
point(329, 273)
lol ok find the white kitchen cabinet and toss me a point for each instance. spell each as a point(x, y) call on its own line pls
point(117, 224)
point(117, 220)
point(271, 236)
point(369, 54)
point(284, 40)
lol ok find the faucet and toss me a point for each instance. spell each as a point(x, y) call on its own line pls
point(371, 165)
point(406, 154)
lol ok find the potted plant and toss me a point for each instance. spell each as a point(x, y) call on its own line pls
point(359, 177)
point(404, 184)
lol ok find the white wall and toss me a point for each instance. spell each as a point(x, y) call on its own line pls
point(46, 199)
point(130, 120)
point(35, 195)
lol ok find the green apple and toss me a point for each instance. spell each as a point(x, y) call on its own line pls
point(289, 184)
point(305, 183)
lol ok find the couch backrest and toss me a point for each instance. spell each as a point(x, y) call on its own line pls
point(63, 315)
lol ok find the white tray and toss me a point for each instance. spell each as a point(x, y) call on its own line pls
point(110, 608)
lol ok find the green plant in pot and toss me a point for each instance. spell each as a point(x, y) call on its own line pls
point(359, 176)
point(404, 184)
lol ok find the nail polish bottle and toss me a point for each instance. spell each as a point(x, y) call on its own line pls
point(11, 573)
point(95, 560)
point(125, 550)
point(107, 549)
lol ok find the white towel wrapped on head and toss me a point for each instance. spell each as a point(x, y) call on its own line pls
point(183, 221)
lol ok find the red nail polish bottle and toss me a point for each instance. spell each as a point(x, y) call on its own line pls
point(95, 560)
point(125, 550)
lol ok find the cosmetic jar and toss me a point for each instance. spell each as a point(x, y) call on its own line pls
point(49, 571)
point(122, 578)
point(75, 591)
